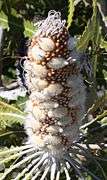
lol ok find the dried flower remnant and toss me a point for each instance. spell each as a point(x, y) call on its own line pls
point(56, 103)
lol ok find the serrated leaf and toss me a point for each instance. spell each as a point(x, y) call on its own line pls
point(71, 9)
point(9, 115)
point(9, 108)
point(87, 35)
point(29, 28)
point(96, 42)
point(89, 32)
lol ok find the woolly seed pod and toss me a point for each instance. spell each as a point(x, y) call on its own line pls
point(55, 77)
point(55, 81)
point(46, 44)
point(56, 104)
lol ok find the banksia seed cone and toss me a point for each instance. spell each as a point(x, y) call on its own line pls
point(57, 92)
point(56, 103)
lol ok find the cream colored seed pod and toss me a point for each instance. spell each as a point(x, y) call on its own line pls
point(39, 96)
point(53, 89)
point(49, 105)
point(37, 140)
point(46, 44)
point(39, 70)
point(39, 84)
point(36, 53)
point(57, 63)
point(39, 113)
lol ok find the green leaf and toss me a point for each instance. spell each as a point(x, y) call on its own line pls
point(9, 108)
point(90, 30)
point(29, 28)
point(9, 115)
point(104, 114)
point(87, 35)
point(103, 44)
point(104, 121)
point(99, 117)
point(96, 42)
point(71, 9)
point(5, 22)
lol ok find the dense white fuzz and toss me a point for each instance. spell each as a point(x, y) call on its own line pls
point(58, 112)
point(38, 70)
point(49, 104)
point(39, 96)
point(53, 89)
point(38, 84)
point(57, 63)
point(39, 113)
point(71, 43)
point(75, 82)
point(54, 129)
point(73, 127)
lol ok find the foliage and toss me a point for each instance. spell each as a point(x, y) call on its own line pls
point(70, 12)
point(86, 21)
point(9, 115)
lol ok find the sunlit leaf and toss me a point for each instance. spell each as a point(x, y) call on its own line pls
point(9, 115)
point(29, 28)
point(70, 12)
point(90, 31)
point(103, 44)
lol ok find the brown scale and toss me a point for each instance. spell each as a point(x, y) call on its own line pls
point(58, 52)
point(49, 121)
point(59, 75)
point(63, 99)
point(64, 139)
point(42, 130)
point(60, 36)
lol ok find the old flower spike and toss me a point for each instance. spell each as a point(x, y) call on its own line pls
point(55, 107)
